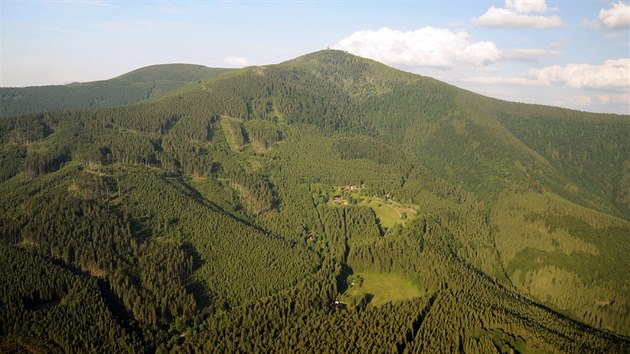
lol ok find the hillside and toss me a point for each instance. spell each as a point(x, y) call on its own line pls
point(325, 203)
point(141, 84)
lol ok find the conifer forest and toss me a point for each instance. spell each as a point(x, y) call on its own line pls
point(328, 203)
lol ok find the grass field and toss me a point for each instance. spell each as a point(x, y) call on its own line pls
point(385, 287)
point(388, 212)
point(391, 213)
point(233, 132)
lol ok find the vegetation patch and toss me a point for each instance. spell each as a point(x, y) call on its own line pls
point(389, 212)
point(207, 219)
point(233, 131)
point(216, 191)
point(603, 266)
point(262, 134)
point(363, 148)
point(18, 345)
point(557, 251)
point(504, 342)
point(379, 289)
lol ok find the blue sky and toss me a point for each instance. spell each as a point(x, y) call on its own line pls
point(564, 53)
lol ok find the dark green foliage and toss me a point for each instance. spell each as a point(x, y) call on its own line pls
point(262, 134)
point(614, 258)
point(74, 224)
point(50, 308)
point(237, 261)
point(149, 82)
point(364, 148)
point(463, 310)
point(590, 149)
point(256, 193)
point(203, 221)
point(12, 157)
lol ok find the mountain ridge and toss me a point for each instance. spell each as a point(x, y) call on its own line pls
point(131, 87)
point(192, 206)
point(447, 97)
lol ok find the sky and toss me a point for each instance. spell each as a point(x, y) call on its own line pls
point(573, 54)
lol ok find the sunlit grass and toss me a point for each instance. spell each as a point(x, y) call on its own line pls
point(389, 213)
point(385, 287)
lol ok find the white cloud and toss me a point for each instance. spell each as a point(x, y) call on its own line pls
point(426, 46)
point(526, 6)
point(528, 54)
point(609, 100)
point(613, 73)
point(237, 61)
point(616, 17)
point(592, 24)
point(496, 80)
point(516, 14)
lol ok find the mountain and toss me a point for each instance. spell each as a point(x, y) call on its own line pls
point(141, 84)
point(327, 203)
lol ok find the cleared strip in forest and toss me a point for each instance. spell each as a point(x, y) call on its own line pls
point(415, 327)
point(194, 194)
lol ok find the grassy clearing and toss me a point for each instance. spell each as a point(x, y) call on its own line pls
point(389, 213)
point(385, 287)
point(233, 131)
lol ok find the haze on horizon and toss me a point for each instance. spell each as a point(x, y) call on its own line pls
point(557, 53)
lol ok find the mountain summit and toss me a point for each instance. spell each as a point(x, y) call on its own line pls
point(327, 203)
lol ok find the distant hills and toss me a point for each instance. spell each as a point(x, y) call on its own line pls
point(141, 84)
point(327, 203)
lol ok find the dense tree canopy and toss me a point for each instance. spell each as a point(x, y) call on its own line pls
point(243, 212)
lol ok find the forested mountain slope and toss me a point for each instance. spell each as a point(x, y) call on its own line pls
point(324, 203)
point(148, 82)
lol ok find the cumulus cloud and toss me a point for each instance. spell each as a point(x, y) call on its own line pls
point(526, 6)
point(517, 14)
point(237, 61)
point(427, 46)
point(617, 17)
point(614, 73)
